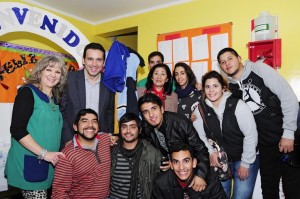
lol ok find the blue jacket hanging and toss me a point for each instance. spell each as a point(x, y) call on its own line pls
point(114, 75)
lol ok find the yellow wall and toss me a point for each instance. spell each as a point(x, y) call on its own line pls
point(199, 13)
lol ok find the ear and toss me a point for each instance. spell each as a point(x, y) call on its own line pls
point(167, 80)
point(171, 164)
point(83, 61)
point(194, 162)
point(239, 58)
point(75, 127)
point(162, 109)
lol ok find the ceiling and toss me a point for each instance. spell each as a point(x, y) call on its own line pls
point(99, 11)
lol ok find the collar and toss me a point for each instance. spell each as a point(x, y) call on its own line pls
point(77, 144)
point(39, 93)
point(86, 79)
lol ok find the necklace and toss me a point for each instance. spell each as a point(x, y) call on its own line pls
point(51, 103)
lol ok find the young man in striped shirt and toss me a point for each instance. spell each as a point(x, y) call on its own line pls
point(135, 162)
point(84, 172)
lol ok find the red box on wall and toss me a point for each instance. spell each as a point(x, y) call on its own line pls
point(269, 49)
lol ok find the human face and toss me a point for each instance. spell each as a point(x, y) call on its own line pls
point(181, 77)
point(230, 64)
point(87, 128)
point(50, 76)
point(129, 131)
point(154, 60)
point(152, 113)
point(159, 77)
point(213, 91)
point(182, 163)
point(93, 63)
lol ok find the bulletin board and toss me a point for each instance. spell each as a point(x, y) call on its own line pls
point(198, 47)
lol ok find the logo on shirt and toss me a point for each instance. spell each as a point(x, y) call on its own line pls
point(252, 96)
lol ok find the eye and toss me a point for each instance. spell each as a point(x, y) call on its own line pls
point(186, 161)
point(175, 162)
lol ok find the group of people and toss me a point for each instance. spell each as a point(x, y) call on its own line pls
point(63, 132)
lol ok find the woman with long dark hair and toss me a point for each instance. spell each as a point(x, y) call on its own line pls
point(188, 95)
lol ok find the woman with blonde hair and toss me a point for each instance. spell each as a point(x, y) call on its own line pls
point(36, 129)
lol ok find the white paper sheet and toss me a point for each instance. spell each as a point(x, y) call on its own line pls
point(218, 42)
point(200, 47)
point(180, 49)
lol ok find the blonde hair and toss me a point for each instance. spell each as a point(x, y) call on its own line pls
point(51, 61)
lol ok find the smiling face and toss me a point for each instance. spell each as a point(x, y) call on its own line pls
point(50, 77)
point(181, 77)
point(213, 91)
point(93, 63)
point(87, 128)
point(183, 164)
point(231, 64)
point(159, 77)
point(129, 131)
point(152, 113)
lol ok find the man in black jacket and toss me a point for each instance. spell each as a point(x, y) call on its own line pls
point(173, 184)
point(166, 129)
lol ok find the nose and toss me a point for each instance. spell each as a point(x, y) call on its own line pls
point(53, 73)
point(180, 166)
point(150, 113)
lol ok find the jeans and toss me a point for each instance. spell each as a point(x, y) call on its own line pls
point(272, 169)
point(242, 189)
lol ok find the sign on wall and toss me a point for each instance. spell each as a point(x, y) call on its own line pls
point(15, 17)
point(16, 62)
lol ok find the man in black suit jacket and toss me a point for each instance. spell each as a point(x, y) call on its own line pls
point(82, 92)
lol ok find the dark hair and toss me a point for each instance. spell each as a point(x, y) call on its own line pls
point(218, 76)
point(167, 85)
point(156, 53)
point(224, 50)
point(83, 112)
point(181, 146)
point(94, 46)
point(149, 98)
point(127, 117)
point(190, 74)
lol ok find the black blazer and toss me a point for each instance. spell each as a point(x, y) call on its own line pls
point(73, 100)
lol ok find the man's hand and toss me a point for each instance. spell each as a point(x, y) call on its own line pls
point(113, 139)
point(243, 173)
point(167, 165)
point(286, 145)
point(198, 184)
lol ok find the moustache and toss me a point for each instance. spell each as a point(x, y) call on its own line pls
point(90, 128)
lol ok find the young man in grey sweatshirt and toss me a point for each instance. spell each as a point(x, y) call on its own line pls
point(275, 107)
